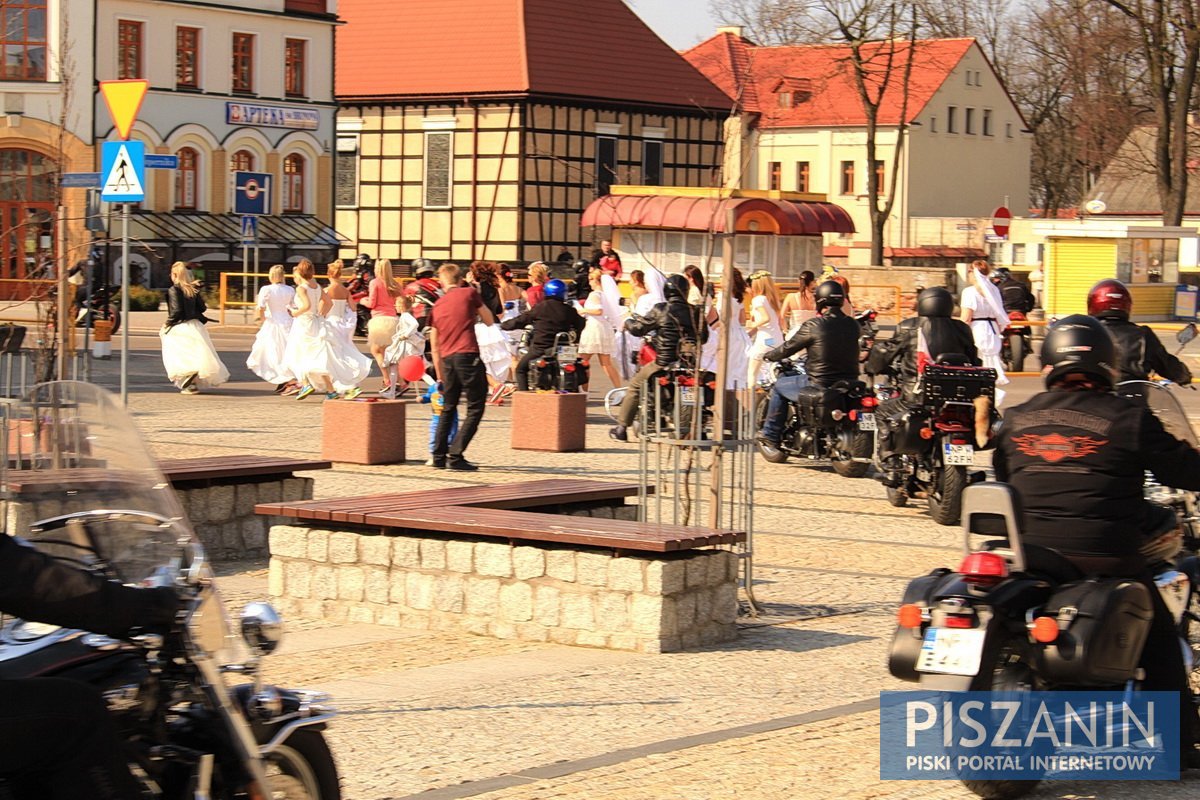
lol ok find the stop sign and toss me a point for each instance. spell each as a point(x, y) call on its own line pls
point(1001, 217)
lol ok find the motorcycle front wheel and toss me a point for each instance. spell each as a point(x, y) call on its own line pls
point(945, 495)
point(861, 444)
point(302, 768)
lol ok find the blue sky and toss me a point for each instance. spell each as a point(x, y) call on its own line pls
point(680, 23)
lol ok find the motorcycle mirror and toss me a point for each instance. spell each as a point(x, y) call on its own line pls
point(262, 627)
point(1187, 334)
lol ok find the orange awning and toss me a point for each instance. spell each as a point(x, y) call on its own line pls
point(751, 214)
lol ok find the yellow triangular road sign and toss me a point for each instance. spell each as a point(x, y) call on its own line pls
point(124, 98)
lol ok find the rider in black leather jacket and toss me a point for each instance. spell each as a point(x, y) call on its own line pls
point(676, 342)
point(943, 335)
point(56, 737)
point(1139, 351)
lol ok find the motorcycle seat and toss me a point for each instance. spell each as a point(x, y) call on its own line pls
point(1043, 561)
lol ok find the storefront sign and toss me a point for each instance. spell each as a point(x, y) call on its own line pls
point(272, 116)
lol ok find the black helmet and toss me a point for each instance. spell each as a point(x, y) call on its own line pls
point(935, 301)
point(582, 265)
point(676, 286)
point(829, 294)
point(1079, 343)
point(364, 260)
point(423, 268)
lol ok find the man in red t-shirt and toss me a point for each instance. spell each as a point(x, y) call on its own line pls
point(457, 363)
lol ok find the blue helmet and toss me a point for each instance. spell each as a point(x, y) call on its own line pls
point(556, 289)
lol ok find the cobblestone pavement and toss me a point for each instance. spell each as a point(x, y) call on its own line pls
point(788, 710)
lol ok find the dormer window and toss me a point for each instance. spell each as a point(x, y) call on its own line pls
point(785, 99)
point(791, 92)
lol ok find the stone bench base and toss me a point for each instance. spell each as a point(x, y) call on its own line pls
point(224, 519)
point(649, 603)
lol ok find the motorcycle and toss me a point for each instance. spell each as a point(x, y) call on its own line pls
point(868, 331)
point(187, 732)
point(99, 305)
point(834, 425)
point(558, 370)
point(1016, 343)
point(925, 449)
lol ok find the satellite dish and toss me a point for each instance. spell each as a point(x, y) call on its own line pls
point(1095, 207)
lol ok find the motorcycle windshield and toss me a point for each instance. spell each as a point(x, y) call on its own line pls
point(80, 484)
point(1165, 405)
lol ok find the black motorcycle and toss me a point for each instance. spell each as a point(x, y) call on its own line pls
point(186, 731)
point(1016, 343)
point(834, 426)
point(924, 448)
point(1017, 617)
point(557, 370)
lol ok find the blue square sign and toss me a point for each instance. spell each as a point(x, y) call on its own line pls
point(123, 172)
point(252, 193)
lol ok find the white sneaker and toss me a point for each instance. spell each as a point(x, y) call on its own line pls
point(388, 393)
point(429, 461)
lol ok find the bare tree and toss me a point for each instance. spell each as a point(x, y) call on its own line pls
point(775, 22)
point(1168, 34)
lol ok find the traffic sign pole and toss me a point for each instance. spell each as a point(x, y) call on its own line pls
point(125, 304)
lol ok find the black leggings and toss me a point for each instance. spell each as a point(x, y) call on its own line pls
point(58, 741)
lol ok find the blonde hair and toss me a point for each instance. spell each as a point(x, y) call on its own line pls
point(275, 274)
point(403, 303)
point(383, 272)
point(594, 275)
point(538, 272)
point(304, 271)
point(182, 277)
point(450, 272)
point(334, 270)
point(762, 283)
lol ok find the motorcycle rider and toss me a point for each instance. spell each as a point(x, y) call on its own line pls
point(676, 341)
point(1016, 297)
point(549, 318)
point(831, 339)
point(1077, 454)
point(364, 273)
point(424, 291)
point(1139, 349)
point(56, 737)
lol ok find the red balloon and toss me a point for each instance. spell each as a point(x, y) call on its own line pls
point(411, 368)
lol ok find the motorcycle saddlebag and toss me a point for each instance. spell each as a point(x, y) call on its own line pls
point(906, 642)
point(1103, 624)
point(943, 383)
point(901, 432)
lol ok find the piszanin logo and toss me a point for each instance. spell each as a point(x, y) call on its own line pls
point(1055, 447)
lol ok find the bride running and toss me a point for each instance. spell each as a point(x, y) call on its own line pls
point(341, 320)
point(188, 354)
point(271, 310)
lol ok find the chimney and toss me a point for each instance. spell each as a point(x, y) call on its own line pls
point(736, 30)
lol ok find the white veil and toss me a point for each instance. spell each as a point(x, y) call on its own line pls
point(991, 301)
point(655, 281)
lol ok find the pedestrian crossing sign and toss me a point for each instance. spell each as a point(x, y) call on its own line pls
point(123, 172)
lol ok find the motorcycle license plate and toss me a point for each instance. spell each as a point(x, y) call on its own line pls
point(952, 651)
point(687, 394)
point(866, 422)
point(567, 354)
point(958, 455)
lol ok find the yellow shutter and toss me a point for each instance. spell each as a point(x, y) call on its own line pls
point(1073, 266)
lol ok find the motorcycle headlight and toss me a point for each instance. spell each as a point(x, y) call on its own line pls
point(262, 627)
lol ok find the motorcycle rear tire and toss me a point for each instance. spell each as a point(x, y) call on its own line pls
point(945, 496)
point(1002, 670)
point(861, 445)
point(305, 755)
point(1017, 346)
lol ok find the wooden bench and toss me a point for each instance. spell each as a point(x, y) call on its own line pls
point(552, 493)
point(222, 469)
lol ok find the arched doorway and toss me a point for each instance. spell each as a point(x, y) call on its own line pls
point(27, 182)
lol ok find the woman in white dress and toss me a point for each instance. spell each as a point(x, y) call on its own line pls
point(188, 354)
point(799, 307)
point(309, 354)
point(341, 319)
point(763, 323)
point(739, 340)
point(983, 310)
point(271, 311)
point(599, 338)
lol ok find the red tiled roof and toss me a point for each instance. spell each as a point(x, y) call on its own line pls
point(593, 49)
point(822, 79)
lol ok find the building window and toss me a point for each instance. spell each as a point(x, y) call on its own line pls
point(187, 179)
point(847, 177)
point(243, 62)
point(802, 176)
point(606, 164)
point(775, 175)
point(187, 58)
point(952, 119)
point(242, 161)
point(933, 124)
point(969, 120)
point(1018, 255)
point(1008, 130)
point(24, 40)
point(785, 100)
point(294, 66)
point(880, 174)
point(346, 181)
point(438, 168)
point(987, 122)
point(129, 49)
point(293, 184)
point(652, 162)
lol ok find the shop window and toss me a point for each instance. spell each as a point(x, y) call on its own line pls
point(242, 161)
point(187, 180)
point(293, 184)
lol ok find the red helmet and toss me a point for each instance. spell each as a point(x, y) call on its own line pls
point(1110, 298)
